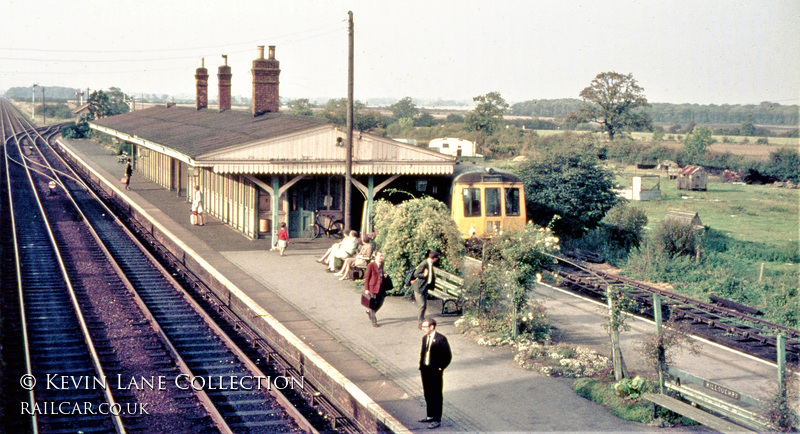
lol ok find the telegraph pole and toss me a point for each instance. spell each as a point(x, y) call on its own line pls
point(348, 174)
point(33, 102)
point(44, 112)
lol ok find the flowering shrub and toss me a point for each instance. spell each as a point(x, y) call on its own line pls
point(408, 231)
point(559, 361)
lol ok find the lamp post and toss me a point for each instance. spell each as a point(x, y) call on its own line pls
point(44, 111)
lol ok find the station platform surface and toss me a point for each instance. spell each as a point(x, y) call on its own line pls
point(484, 390)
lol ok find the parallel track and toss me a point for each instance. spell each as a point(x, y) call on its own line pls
point(55, 335)
point(238, 396)
point(724, 325)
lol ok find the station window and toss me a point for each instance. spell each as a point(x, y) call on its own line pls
point(512, 201)
point(472, 202)
point(492, 202)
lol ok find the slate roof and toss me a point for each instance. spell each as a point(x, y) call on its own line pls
point(196, 132)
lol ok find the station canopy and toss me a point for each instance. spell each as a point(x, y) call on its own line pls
point(234, 141)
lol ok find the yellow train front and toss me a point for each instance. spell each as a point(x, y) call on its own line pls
point(485, 201)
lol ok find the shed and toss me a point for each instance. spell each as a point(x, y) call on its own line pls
point(453, 146)
point(643, 188)
point(693, 178)
point(81, 112)
point(686, 217)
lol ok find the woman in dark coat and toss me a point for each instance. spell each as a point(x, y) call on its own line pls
point(374, 286)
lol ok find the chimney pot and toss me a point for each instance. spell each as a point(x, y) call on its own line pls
point(271, 52)
point(261, 51)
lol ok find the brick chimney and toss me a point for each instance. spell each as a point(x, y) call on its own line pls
point(265, 82)
point(201, 77)
point(224, 77)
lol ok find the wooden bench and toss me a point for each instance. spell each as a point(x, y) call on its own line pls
point(449, 289)
point(694, 413)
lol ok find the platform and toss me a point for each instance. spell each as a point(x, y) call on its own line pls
point(483, 389)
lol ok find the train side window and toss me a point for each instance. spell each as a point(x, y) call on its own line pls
point(472, 202)
point(492, 196)
point(512, 201)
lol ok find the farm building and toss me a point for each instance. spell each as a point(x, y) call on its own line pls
point(643, 188)
point(693, 178)
point(686, 217)
point(670, 167)
point(454, 147)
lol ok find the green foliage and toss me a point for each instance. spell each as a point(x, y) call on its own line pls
point(572, 185)
point(779, 408)
point(103, 104)
point(696, 144)
point(335, 110)
point(784, 164)
point(512, 262)
point(404, 108)
point(487, 116)
point(673, 238)
point(660, 349)
point(301, 107)
point(76, 131)
point(601, 391)
point(615, 101)
point(630, 388)
point(408, 231)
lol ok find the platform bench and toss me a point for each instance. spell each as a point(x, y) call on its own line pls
point(694, 413)
point(448, 288)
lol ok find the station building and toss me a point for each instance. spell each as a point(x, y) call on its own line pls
point(259, 168)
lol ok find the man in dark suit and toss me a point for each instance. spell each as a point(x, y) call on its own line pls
point(434, 357)
point(423, 280)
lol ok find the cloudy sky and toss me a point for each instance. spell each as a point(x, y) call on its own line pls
point(679, 51)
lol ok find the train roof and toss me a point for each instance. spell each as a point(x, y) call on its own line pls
point(470, 173)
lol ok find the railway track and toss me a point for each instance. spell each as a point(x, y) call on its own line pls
point(726, 323)
point(90, 260)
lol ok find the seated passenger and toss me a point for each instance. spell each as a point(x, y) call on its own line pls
point(360, 260)
point(347, 248)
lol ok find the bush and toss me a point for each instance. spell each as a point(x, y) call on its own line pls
point(674, 238)
point(408, 231)
point(76, 131)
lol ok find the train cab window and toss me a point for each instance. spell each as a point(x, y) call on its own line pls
point(512, 201)
point(492, 196)
point(472, 202)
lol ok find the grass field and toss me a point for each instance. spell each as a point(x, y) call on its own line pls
point(757, 213)
point(750, 150)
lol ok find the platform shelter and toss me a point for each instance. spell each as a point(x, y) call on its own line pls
point(259, 168)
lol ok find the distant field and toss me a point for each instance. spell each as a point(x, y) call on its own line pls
point(757, 213)
point(750, 150)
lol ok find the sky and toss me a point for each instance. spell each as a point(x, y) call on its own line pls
point(679, 51)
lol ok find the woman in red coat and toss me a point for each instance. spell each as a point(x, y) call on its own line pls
point(373, 286)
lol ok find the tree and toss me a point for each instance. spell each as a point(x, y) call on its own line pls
point(300, 107)
point(363, 120)
point(405, 108)
point(614, 101)
point(570, 184)
point(487, 116)
point(102, 104)
point(696, 144)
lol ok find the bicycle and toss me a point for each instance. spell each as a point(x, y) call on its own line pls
point(326, 225)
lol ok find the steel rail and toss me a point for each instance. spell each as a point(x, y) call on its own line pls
point(151, 308)
point(32, 253)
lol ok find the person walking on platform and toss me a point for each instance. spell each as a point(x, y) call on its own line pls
point(423, 280)
point(128, 173)
point(375, 282)
point(197, 207)
point(434, 357)
point(283, 238)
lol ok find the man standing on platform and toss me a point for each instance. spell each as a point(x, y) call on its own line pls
point(423, 280)
point(434, 358)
